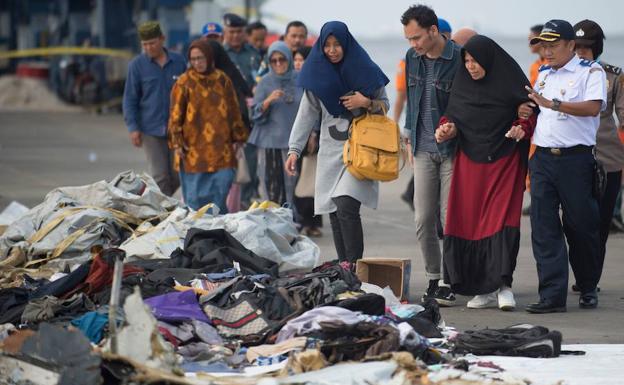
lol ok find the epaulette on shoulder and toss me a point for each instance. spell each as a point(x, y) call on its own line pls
point(587, 63)
point(612, 69)
point(544, 67)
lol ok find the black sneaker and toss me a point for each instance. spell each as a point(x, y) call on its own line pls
point(444, 296)
point(431, 290)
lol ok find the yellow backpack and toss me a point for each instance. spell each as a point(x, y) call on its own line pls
point(373, 148)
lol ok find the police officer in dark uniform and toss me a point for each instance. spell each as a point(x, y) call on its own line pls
point(570, 93)
point(609, 149)
point(246, 58)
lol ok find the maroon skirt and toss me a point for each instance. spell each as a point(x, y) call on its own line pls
point(482, 231)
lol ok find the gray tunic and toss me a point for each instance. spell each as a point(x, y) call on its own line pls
point(332, 178)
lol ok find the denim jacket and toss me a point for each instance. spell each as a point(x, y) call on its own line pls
point(444, 70)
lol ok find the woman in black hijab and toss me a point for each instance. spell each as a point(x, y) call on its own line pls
point(482, 232)
point(223, 62)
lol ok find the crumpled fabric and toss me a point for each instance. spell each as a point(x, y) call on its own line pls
point(12, 303)
point(371, 304)
point(310, 321)
point(177, 307)
point(101, 272)
point(218, 250)
point(206, 333)
point(195, 329)
point(254, 352)
point(86, 207)
point(342, 342)
point(49, 307)
point(182, 333)
point(65, 284)
point(201, 351)
point(92, 325)
point(208, 367)
point(269, 233)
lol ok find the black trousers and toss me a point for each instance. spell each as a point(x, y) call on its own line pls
point(566, 181)
point(607, 206)
point(346, 227)
point(305, 209)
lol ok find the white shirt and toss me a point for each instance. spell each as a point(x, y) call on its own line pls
point(577, 81)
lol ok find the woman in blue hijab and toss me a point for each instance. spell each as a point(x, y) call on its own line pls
point(275, 106)
point(340, 81)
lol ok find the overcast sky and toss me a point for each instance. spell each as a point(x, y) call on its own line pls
point(377, 18)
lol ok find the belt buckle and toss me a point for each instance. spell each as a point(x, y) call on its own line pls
point(555, 151)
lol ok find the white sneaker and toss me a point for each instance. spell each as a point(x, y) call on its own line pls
point(506, 301)
point(482, 301)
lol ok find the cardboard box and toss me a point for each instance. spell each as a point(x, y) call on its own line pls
point(393, 272)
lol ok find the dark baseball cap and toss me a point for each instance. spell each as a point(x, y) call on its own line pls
point(233, 20)
point(587, 32)
point(554, 30)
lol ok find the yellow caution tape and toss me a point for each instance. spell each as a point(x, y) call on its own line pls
point(65, 243)
point(167, 240)
point(200, 213)
point(122, 219)
point(42, 232)
point(53, 51)
point(265, 205)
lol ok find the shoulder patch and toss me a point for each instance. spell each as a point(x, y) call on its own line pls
point(612, 69)
point(587, 63)
point(544, 67)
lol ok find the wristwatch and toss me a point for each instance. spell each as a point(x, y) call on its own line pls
point(556, 104)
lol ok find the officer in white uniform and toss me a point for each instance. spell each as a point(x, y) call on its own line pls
point(570, 93)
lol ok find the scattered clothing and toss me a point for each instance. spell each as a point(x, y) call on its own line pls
point(177, 307)
point(48, 308)
point(92, 325)
point(311, 320)
point(296, 343)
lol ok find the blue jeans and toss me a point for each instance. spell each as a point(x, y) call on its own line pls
point(202, 188)
point(564, 181)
